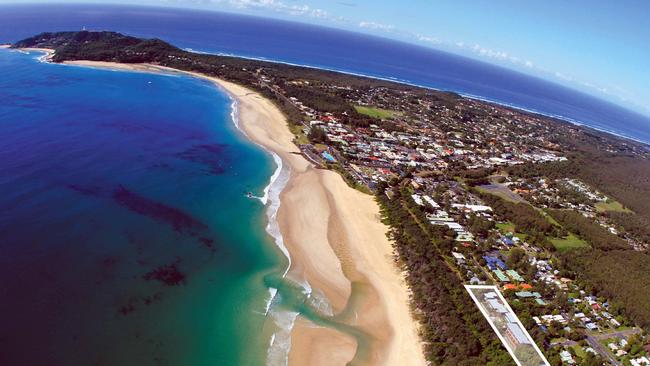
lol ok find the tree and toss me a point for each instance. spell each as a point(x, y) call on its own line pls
point(516, 258)
point(317, 135)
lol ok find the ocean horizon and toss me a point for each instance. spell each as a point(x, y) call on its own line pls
point(331, 49)
point(138, 224)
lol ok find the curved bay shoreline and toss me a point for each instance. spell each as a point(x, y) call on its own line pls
point(336, 241)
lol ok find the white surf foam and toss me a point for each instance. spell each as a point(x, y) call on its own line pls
point(411, 83)
point(320, 303)
point(280, 345)
point(284, 320)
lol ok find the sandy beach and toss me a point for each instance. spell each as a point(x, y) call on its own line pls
point(336, 241)
point(49, 53)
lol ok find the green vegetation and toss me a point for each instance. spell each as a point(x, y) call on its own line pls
point(550, 218)
point(568, 242)
point(623, 178)
point(588, 230)
point(300, 137)
point(611, 205)
point(374, 112)
point(506, 227)
point(610, 267)
point(317, 135)
point(621, 275)
point(454, 332)
point(509, 227)
point(318, 99)
point(579, 351)
point(525, 217)
point(636, 225)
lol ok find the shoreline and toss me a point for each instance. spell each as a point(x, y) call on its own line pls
point(557, 117)
point(47, 57)
point(335, 239)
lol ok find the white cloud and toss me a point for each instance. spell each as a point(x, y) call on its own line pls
point(562, 76)
point(493, 54)
point(427, 39)
point(294, 9)
point(377, 26)
point(278, 7)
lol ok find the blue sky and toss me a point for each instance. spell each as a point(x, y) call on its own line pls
point(599, 47)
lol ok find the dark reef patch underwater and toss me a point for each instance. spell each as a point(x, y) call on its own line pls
point(126, 235)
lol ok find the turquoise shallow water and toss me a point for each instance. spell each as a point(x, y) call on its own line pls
point(126, 234)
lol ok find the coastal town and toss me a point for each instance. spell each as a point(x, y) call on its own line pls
point(449, 154)
point(476, 194)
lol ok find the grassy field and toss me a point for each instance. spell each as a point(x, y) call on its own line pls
point(569, 242)
point(296, 129)
point(548, 217)
point(611, 205)
point(508, 227)
point(580, 352)
point(375, 112)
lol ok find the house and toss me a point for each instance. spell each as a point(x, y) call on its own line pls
point(475, 281)
point(417, 199)
point(514, 275)
point(640, 361)
point(566, 357)
point(507, 241)
point(460, 259)
point(515, 335)
point(500, 275)
point(528, 294)
point(494, 262)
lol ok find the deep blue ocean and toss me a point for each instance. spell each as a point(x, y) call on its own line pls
point(332, 49)
point(126, 233)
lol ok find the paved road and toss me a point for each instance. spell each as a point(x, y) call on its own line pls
point(595, 338)
point(619, 334)
point(566, 343)
point(602, 350)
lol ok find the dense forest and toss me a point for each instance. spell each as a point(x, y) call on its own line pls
point(526, 218)
point(597, 236)
point(454, 332)
point(610, 266)
point(625, 178)
point(621, 275)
